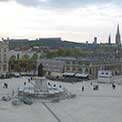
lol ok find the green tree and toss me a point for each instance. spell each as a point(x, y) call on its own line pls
point(34, 57)
point(25, 57)
point(12, 58)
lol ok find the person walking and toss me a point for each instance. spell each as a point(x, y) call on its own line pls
point(113, 86)
point(82, 88)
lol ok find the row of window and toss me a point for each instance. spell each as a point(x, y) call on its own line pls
point(75, 69)
point(80, 69)
point(4, 67)
point(4, 58)
point(103, 73)
point(4, 49)
point(74, 62)
point(77, 62)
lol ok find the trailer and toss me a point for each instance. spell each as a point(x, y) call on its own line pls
point(105, 76)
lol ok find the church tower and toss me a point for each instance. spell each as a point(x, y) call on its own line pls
point(118, 37)
point(109, 39)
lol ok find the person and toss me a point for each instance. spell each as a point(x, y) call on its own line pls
point(24, 83)
point(113, 86)
point(82, 88)
point(91, 83)
point(5, 85)
point(95, 87)
point(29, 80)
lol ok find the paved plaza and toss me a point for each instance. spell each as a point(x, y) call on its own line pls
point(103, 105)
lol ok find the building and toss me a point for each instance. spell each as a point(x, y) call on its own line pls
point(89, 66)
point(105, 76)
point(95, 40)
point(118, 37)
point(18, 54)
point(4, 58)
point(51, 67)
point(109, 39)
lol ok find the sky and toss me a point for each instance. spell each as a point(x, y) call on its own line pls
point(73, 20)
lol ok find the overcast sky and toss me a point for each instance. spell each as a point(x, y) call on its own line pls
point(73, 20)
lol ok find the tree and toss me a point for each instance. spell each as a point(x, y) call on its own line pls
point(34, 57)
point(12, 58)
point(25, 57)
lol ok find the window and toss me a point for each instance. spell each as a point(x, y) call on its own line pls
point(80, 62)
point(4, 49)
point(90, 71)
point(74, 68)
point(106, 73)
point(79, 69)
point(5, 58)
point(68, 62)
point(73, 62)
point(67, 68)
point(102, 73)
point(0, 58)
point(4, 68)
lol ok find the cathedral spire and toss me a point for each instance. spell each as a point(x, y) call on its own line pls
point(118, 37)
point(109, 39)
point(118, 29)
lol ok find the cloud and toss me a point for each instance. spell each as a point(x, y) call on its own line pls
point(88, 18)
point(62, 4)
point(5, 0)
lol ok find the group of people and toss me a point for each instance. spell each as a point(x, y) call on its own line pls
point(96, 87)
point(5, 86)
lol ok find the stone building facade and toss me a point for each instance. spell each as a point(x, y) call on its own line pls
point(51, 67)
point(74, 65)
point(4, 58)
point(92, 67)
